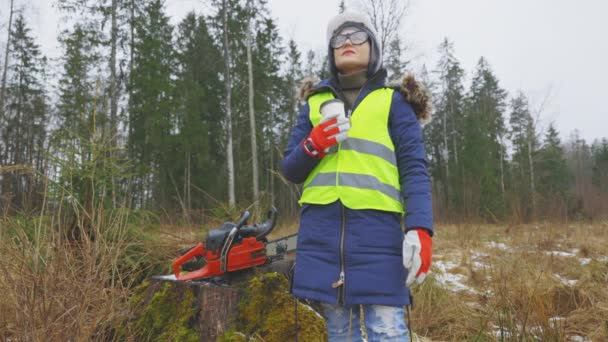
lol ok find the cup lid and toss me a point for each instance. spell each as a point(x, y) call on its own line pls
point(329, 102)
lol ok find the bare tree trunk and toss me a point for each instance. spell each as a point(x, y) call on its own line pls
point(386, 16)
point(532, 184)
point(113, 93)
point(132, 48)
point(228, 86)
point(454, 142)
point(447, 157)
point(254, 146)
point(6, 55)
point(189, 184)
point(502, 173)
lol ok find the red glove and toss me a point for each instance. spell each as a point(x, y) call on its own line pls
point(325, 135)
point(417, 254)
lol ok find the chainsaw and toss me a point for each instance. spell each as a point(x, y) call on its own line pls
point(234, 247)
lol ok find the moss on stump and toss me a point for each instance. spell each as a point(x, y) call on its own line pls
point(267, 313)
point(258, 309)
point(164, 314)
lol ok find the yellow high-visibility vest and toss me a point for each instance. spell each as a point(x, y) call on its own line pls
point(362, 172)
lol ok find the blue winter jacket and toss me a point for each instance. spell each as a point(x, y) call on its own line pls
point(372, 241)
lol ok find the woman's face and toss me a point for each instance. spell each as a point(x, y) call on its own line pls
point(349, 57)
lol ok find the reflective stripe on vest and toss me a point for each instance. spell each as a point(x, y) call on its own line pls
point(362, 171)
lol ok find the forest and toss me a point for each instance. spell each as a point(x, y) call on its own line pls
point(142, 123)
point(155, 97)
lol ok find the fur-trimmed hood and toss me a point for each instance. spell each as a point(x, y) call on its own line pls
point(414, 92)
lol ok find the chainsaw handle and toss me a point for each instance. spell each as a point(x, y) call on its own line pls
point(260, 230)
point(271, 221)
point(198, 250)
point(271, 218)
point(243, 219)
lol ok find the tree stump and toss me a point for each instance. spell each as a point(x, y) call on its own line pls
point(214, 302)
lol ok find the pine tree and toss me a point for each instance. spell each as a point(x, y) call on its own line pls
point(199, 113)
point(310, 70)
point(269, 87)
point(109, 19)
point(289, 107)
point(3, 118)
point(395, 63)
point(599, 152)
point(151, 121)
point(446, 134)
point(483, 151)
point(293, 79)
point(579, 160)
point(553, 173)
point(525, 146)
point(24, 132)
point(6, 61)
point(76, 87)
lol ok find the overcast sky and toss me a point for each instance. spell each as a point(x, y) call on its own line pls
point(555, 51)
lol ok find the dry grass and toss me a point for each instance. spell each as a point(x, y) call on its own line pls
point(57, 289)
point(542, 282)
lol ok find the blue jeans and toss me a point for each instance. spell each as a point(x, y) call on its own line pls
point(382, 323)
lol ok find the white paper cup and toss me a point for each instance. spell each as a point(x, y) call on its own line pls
point(333, 108)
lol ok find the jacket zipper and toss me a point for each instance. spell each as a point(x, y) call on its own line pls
point(340, 283)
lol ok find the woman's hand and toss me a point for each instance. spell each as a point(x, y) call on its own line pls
point(417, 254)
point(325, 135)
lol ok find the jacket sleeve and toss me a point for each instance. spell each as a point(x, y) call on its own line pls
point(296, 163)
point(406, 134)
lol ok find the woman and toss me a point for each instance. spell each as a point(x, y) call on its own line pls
point(357, 147)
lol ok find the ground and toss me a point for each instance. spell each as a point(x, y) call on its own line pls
point(546, 281)
point(518, 282)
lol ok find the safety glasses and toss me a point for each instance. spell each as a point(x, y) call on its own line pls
point(356, 38)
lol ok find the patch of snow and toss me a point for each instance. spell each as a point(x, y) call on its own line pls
point(603, 258)
point(498, 245)
point(502, 333)
point(479, 265)
point(560, 253)
point(444, 265)
point(584, 261)
point(577, 338)
point(452, 281)
point(565, 281)
point(478, 255)
point(556, 321)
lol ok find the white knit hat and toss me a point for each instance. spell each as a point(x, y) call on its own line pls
point(355, 19)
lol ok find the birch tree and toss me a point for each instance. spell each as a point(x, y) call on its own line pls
point(228, 99)
point(386, 17)
point(252, 126)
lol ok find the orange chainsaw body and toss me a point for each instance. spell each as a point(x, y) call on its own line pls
point(248, 253)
